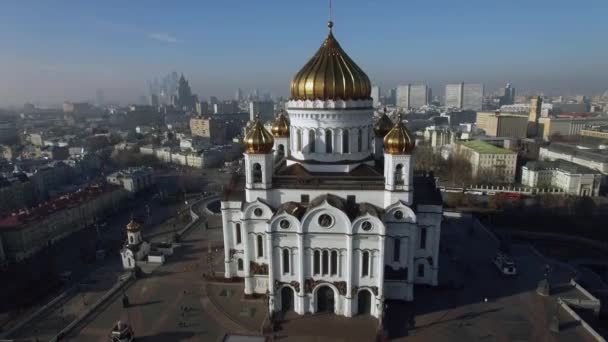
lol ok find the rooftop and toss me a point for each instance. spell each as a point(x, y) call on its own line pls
point(485, 148)
point(47, 208)
point(559, 164)
point(595, 155)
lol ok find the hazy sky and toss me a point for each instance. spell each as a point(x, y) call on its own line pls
point(52, 51)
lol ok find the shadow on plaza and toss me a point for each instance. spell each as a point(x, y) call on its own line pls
point(167, 336)
point(467, 277)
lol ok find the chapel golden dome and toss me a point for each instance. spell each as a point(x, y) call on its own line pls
point(398, 140)
point(280, 126)
point(258, 140)
point(330, 75)
point(383, 125)
point(133, 226)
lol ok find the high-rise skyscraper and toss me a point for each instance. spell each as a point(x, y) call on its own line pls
point(506, 95)
point(265, 109)
point(468, 96)
point(403, 96)
point(184, 94)
point(239, 95)
point(536, 106)
point(99, 98)
point(392, 97)
point(376, 96)
point(412, 95)
point(419, 95)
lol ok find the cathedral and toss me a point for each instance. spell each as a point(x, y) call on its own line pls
point(329, 216)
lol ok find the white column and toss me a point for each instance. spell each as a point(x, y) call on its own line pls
point(299, 297)
point(227, 244)
point(270, 257)
point(246, 252)
point(381, 266)
point(348, 309)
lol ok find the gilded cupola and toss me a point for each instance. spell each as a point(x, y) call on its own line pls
point(330, 75)
point(398, 140)
point(258, 140)
point(280, 126)
point(133, 226)
point(383, 125)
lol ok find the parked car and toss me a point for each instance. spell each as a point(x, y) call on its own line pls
point(505, 264)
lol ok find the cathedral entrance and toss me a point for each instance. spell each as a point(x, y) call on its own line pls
point(287, 303)
point(364, 302)
point(325, 299)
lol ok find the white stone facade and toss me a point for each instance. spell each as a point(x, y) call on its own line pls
point(567, 176)
point(343, 244)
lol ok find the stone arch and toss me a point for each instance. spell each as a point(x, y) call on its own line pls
point(287, 304)
point(315, 295)
point(408, 214)
point(312, 140)
point(340, 218)
point(365, 298)
point(378, 225)
point(329, 141)
point(256, 172)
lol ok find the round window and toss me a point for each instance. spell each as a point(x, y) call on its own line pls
point(325, 220)
point(258, 212)
point(367, 226)
point(398, 214)
point(284, 224)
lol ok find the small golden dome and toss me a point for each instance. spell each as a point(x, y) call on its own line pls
point(383, 125)
point(398, 140)
point(258, 140)
point(280, 126)
point(133, 226)
point(330, 75)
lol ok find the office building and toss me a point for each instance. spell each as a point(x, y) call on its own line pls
point(569, 177)
point(213, 129)
point(506, 95)
point(226, 107)
point(595, 159)
point(412, 96)
point(265, 109)
point(489, 163)
point(595, 131)
point(495, 124)
point(202, 108)
point(468, 96)
point(565, 126)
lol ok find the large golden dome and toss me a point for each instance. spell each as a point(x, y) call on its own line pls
point(280, 126)
point(383, 125)
point(398, 140)
point(258, 140)
point(330, 75)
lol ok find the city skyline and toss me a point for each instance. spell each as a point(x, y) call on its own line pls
point(549, 46)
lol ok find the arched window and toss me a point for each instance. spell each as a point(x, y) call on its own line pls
point(257, 173)
point(316, 264)
point(238, 233)
point(360, 140)
point(421, 270)
point(281, 151)
point(365, 264)
point(325, 262)
point(329, 143)
point(239, 264)
point(422, 238)
point(334, 263)
point(285, 261)
point(345, 141)
point(311, 141)
point(298, 146)
point(397, 250)
point(260, 246)
point(131, 240)
point(399, 175)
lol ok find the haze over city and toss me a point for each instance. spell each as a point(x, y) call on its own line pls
point(66, 50)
